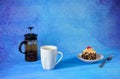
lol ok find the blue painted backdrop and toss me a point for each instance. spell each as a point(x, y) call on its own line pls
point(69, 24)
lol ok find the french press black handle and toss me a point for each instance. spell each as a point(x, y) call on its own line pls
point(20, 46)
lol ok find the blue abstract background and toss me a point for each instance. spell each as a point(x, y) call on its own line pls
point(69, 24)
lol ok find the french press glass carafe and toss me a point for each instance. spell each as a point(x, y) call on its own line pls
point(30, 42)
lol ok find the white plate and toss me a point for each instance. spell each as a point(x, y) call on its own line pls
point(99, 57)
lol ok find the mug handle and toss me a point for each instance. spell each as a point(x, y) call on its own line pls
point(60, 57)
point(20, 46)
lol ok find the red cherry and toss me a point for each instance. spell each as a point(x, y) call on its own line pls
point(88, 47)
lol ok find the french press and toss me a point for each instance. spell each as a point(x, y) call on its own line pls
point(30, 42)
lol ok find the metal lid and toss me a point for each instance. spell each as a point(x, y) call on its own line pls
point(30, 36)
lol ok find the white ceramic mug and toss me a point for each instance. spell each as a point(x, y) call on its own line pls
point(48, 56)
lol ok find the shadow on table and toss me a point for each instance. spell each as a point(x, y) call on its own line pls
point(71, 62)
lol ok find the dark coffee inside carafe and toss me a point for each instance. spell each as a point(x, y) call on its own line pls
point(31, 51)
point(30, 42)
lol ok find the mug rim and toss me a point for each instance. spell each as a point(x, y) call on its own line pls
point(52, 47)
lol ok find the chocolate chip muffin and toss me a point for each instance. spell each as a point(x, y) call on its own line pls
point(89, 53)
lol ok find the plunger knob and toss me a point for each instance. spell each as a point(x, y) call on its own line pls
point(30, 28)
